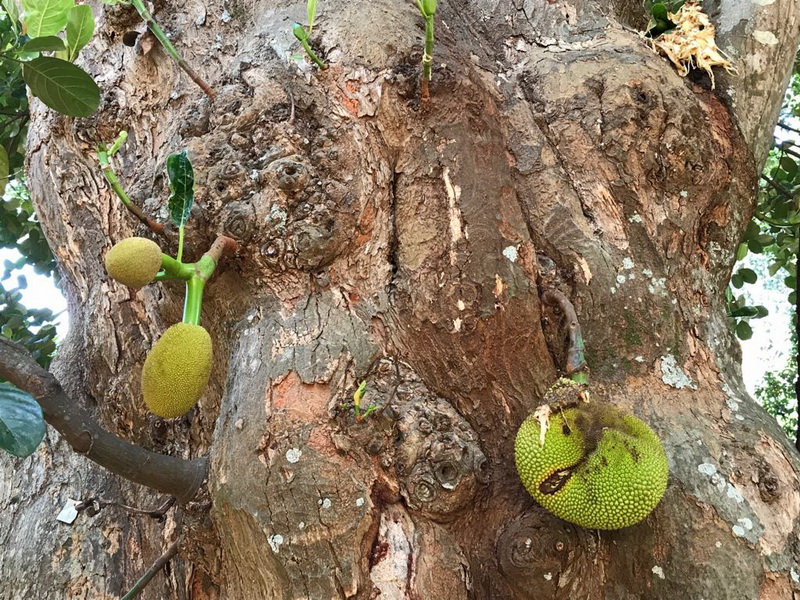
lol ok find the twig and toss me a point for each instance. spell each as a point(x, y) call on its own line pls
point(104, 157)
point(576, 362)
point(787, 128)
point(157, 513)
point(161, 37)
point(168, 474)
point(152, 571)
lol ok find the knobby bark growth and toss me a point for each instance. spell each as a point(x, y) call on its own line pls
point(408, 244)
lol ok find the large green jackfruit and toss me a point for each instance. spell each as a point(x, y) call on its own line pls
point(595, 466)
point(176, 371)
point(134, 261)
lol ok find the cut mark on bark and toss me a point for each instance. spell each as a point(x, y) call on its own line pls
point(454, 212)
point(392, 557)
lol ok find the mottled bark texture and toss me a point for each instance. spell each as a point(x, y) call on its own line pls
point(408, 244)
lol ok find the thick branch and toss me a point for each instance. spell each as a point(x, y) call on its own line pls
point(167, 474)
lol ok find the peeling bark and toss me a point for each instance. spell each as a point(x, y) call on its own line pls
point(407, 245)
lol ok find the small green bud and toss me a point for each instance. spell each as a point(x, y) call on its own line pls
point(428, 7)
point(300, 32)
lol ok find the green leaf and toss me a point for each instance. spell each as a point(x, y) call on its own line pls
point(50, 43)
point(748, 275)
point(745, 311)
point(181, 185)
point(659, 11)
point(741, 251)
point(311, 14)
point(736, 281)
point(793, 298)
point(790, 281)
point(3, 170)
point(80, 28)
point(62, 86)
point(12, 11)
point(744, 331)
point(789, 165)
point(755, 246)
point(21, 421)
point(45, 17)
point(761, 312)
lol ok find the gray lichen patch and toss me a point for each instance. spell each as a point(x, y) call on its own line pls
point(673, 375)
point(703, 479)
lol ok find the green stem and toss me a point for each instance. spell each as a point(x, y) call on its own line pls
point(202, 271)
point(180, 244)
point(427, 58)
point(194, 300)
point(173, 269)
point(103, 156)
point(312, 55)
point(161, 37)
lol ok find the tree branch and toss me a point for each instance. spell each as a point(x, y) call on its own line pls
point(168, 474)
point(152, 571)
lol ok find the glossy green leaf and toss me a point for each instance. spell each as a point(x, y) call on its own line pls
point(50, 43)
point(62, 86)
point(181, 185)
point(80, 28)
point(21, 421)
point(736, 281)
point(45, 17)
point(428, 7)
point(748, 275)
point(3, 170)
point(744, 331)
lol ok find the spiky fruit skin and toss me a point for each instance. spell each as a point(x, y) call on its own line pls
point(176, 371)
point(598, 468)
point(134, 261)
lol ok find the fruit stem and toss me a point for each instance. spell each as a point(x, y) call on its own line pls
point(199, 273)
point(173, 269)
point(194, 299)
point(576, 362)
point(179, 256)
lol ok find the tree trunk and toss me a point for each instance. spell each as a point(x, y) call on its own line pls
point(407, 244)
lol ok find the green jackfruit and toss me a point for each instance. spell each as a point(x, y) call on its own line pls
point(598, 467)
point(176, 370)
point(134, 261)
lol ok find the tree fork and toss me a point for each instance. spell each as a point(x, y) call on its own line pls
point(168, 474)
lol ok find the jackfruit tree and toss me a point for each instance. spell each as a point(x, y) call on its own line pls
point(408, 243)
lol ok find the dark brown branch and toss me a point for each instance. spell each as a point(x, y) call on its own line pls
point(576, 362)
point(152, 572)
point(168, 474)
point(99, 503)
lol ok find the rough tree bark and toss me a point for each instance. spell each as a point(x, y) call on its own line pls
point(557, 150)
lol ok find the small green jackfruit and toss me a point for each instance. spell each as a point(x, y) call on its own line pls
point(134, 261)
point(595, 466)
point(176, 371)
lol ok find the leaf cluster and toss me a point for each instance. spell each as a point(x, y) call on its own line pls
point(61, 29)
point(658, 11)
